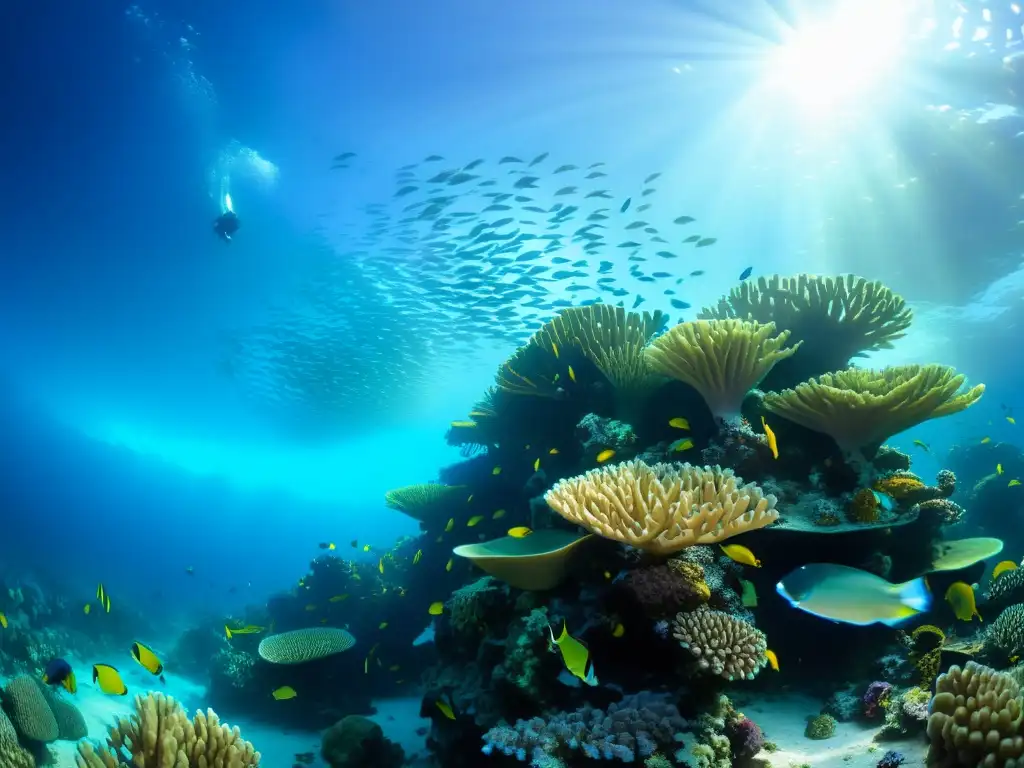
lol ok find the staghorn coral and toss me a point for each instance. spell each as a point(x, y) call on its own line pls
point(302, 645)
point(29, 711)
point(836, 319)
point(422, 501)
point(861, 408)
point(975, 719)
point(637, 726)
point(722, 644)
point(1004, 637)
point(12, 755)
point(664, 590)
point(722, 359)
point(662, 508)
point(160, 735)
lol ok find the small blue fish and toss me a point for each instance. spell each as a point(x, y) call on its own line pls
point(746, 273)
point(885, 501)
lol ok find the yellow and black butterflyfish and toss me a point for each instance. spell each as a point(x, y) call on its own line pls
point(103, 597)
point(109, 680)
point(147, 659)
point(576, 655)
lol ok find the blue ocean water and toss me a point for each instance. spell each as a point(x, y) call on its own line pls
point(186, 420)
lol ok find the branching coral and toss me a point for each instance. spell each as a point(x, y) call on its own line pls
point(836, 318)
point(975, 719)
point(160, 735)
point(860, 408)
point(722, 359)
point(721, 643)
point(662, 508)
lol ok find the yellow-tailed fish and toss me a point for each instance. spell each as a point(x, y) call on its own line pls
point(498, 514)
point(986, 440)
point(1011, 419)
point(960, 597)
point(448, 565)
point(773, 660)
point(519, 531)
point(284, 693)
point(416, 558)
point(922, 445)
point(740, 554)
point(682, 445)
point(604, 455)
point(446, 709)
point(449, 525)
point(463, 424)
point(619, 630)
point(496, 471)
point(536, 465)
point(109, 680)
point(852, 596)
point(103, 597)
point(380, 565)
point(3, 620)
point(149, 660)
point(553, 452)
point(474, 520)
point(382, 625)
point(1013, 483)
point(59, 672)
point(554, 348)
point(999, 469)
point(366, 547)
point(1003, 567)
point(87, 608)
point(572, 373)
point(436, 609)
point(575, 654)
point(679, 423)
point(608, 575)
point(773, 444)
point(227, 631)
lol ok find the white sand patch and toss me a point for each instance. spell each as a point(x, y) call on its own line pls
point(784, 718)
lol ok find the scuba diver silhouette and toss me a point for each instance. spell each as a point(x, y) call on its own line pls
point(225, 225)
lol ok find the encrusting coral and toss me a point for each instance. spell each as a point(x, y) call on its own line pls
point(160, 735)
point(975, 719)
point(860, 408)
point(722, 359)
point(662, 508)
point(722, 644)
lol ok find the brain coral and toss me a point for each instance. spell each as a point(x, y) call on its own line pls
point(70, 723)
point(722, 643)
point(11, 753)
point(29, 711)
point(975, 720)
point(302, 645)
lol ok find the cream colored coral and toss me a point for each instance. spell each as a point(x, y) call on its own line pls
point(975, 719)
point(722, 359)
point(860, 407)
point(160, 735)
point(662, 508)
point(722, 644)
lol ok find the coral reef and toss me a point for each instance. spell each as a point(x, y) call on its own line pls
point(357, 742)
point(663, 590)
point(722, 644)
point(1004, 638)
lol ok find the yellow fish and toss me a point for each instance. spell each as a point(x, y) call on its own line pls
point(380, 565)
point(536, 465)
point(679, 423)
point(284, 693)
point(773, 444)
point(417, 556)
point(87, 608)
point(608, 575)
point(922, 445)
point(448, 565)
point(554, 348)
point(999, 469)
point(227, 631)
point(474, 520)
point(149, 660)
point(109, 680)
point(449, 526)
point(960, 597)
point(103, 597)
point(1003, 567)
point(740, 554)
point(519, 531)
point(446, 709)
point(366, 547)
point(496, 471)
point(436, 609)
point(682, 445)
point(1011, 419)
point(463, 424)
point(3, 620)
point(1013, 483)
point(985, 440)
point(604, 455)
point(382, 625)
point(553, 452)
point(773, 660)
point(572, 373)
point(619, 630)
point(498, 514)
point(575, 654)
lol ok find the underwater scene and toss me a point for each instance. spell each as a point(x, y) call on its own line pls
point(549, 383)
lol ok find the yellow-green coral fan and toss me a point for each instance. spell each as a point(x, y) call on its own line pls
point(975, 720)
point(859, 408)
point(722, 359)
point(160, 735)
point(423, 500)
point(662, 508)
point(302, 645)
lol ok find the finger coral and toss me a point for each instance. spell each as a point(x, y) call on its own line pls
point(860, 408)
point(662, 508)
point(722, 359)
point(160, 735)
point(722, 644)
point(836, 319)
point(975, 719)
